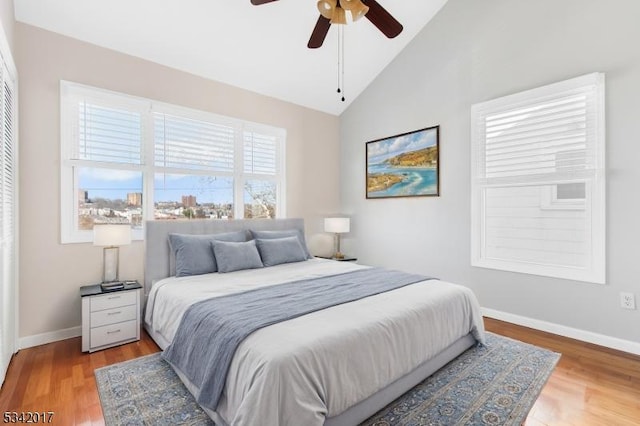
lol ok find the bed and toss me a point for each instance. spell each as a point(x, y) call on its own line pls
point(333, 366)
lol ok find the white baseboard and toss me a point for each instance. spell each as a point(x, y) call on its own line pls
point(49, 337)
point(563, 330)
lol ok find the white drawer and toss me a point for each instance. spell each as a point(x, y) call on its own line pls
point(112, 316)
point(113, 300)
point(110, 334)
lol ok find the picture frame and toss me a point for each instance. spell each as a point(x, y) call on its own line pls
point(404, 165)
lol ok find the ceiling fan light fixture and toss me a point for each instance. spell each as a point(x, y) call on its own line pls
point(327, 8)
point(339, 16)
point(356, 7)
point(359, 13)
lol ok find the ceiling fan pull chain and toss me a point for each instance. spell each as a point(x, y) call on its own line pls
point(342, 42)
point(338, 55)
point(341, 61)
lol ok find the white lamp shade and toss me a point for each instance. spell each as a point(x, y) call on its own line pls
point(111, 234)
point(338, 225)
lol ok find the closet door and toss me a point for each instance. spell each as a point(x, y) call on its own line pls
point(8, 225)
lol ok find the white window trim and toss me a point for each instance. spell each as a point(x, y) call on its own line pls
point(596, 210)
point(69, 197)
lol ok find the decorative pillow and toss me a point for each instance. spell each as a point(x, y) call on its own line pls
point(193, 253)
point(280, 250)
point(236, 256)
point(269, 235)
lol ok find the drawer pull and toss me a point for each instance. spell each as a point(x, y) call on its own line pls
point(113, 297)
point(114, 313)
point(113, 332)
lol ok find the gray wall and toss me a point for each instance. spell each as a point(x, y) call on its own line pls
point(473, 51)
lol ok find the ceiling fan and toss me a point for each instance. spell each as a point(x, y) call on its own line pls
point(333, 12)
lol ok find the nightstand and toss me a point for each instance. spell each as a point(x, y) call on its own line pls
point(344, 259)
point(110, 318)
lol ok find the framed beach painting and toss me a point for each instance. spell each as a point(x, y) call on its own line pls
point(405, 165)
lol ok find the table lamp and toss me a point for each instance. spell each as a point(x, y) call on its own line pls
point(337, 225)
point(111, 236)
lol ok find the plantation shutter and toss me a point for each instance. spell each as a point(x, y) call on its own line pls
point(260, 153)
point(183, 143)
point(538, 181)
point(8, 228)
point(552, 138)
point(8, 165)
point(108, 134)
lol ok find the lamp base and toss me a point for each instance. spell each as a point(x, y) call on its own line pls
point(338, 254)
point(110, 264)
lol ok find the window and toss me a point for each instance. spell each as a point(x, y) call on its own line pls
point(538, 181)
point(128, 159)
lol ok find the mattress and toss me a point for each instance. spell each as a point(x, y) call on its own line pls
point(314, 367)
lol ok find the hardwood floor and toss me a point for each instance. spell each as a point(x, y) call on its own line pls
point(58, 377)
point(590, 386)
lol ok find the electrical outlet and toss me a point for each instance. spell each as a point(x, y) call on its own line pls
point(627, 300)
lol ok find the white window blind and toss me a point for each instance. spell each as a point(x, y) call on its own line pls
point(8, 207)
point(260, 153)
point(528, 150)
point(193, 144)
point(548, 139)
point(8, 166)
point(108, 134)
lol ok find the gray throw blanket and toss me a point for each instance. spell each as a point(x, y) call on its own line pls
point(211, 330)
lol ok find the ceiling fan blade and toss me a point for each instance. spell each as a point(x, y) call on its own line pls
point(319, 33)
point(259, 2)
point(382, 19)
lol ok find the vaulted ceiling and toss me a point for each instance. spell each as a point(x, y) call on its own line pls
point(258, 48)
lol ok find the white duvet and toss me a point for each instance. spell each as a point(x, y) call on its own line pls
point(304, 370)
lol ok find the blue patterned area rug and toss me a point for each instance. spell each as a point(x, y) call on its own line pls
point(496, 384)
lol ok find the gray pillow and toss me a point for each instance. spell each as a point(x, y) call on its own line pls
point(269, 235)
point(236, 256)
point(193, 253)
point(280, 250)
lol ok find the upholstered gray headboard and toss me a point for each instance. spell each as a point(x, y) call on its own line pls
point(157, 253)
